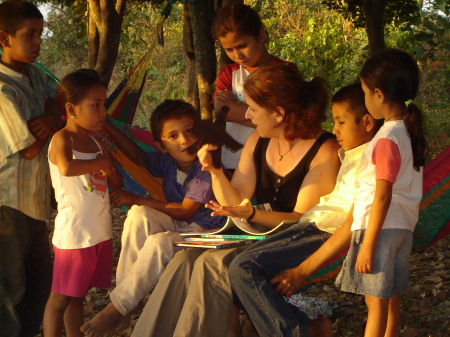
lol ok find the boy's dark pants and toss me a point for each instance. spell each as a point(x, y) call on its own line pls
point(25, 272)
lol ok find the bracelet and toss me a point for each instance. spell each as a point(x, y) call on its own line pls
point(251, 215)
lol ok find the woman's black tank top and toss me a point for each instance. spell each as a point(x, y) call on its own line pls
point(281, 192)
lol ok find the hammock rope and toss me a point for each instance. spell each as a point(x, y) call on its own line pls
point(122, 103)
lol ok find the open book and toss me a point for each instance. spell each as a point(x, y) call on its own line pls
point(235, 228)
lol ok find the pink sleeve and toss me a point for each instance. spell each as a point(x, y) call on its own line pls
point(386, 157)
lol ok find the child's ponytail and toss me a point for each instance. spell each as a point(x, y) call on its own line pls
point(414, 125)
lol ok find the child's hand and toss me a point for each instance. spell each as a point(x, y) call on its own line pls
point(364, 260)
point(289, 281)
point(225, 96)
point(121, 197)
point(39, 127)
point(107, 167)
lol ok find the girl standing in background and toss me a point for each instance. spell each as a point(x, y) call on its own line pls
point(242, 35)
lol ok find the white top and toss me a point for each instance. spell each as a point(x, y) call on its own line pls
point(237, 131)
point(84, 217)
point(403, 212)
point(330, 212)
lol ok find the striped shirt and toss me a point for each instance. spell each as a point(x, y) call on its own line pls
point(24, 184)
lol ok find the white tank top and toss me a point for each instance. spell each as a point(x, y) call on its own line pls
point(84, 217)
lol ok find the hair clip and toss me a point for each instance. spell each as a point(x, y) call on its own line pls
point(408, 102)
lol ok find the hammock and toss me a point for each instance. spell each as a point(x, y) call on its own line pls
point(434, 214)
point(136, 179)
point(121, 106)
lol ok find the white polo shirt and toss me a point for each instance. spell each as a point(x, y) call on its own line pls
point(330, 212)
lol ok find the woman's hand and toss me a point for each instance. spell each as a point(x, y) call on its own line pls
point(243, 211)
point(121, 197)
point(289, 281)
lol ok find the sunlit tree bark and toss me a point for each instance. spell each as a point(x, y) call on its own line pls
point(105, 22)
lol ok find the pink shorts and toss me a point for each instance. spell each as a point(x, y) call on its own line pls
point(76, 270)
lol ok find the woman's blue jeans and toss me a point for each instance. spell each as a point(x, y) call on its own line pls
point(251, 271)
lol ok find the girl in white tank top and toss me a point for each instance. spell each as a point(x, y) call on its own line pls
point(80, 168)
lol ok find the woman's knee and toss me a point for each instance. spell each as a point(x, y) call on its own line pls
point(213, 257)
point(188, 257)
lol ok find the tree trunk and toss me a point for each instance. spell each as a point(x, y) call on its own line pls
point(374, 14)
point(105, 22)
point(191, 85)
point(201, 13)
point(93, 42)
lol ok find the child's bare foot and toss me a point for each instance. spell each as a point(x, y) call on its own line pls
point(321, 327)
point(122, 324)
point(124, 321)
point(103, 322)
point(234, 328)
point(248, 330)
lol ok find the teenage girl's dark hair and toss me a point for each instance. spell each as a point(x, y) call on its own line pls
point(170, 109)
point(75, 86)
point(396, 74)
point(14, 13)
point(238, 18)
point(283, 86)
